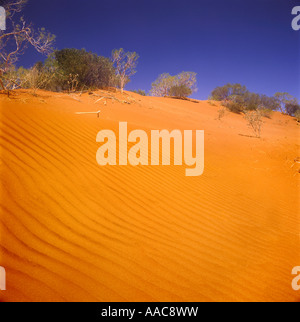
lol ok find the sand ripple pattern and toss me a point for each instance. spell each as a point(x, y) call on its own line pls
point(73, 231)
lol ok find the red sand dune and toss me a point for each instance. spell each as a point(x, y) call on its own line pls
point(74, 231)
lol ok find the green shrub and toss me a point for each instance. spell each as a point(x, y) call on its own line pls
point(181, 85)
point(180, 91)
point(265, 112)
point(211, 103)
point(286, 103)
point(140, 92)
point(225, 92)
point(292, 108)
point(93, 71)
point(234, 107)
point(241, 98)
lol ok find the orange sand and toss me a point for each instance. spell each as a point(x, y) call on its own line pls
point(74, 231)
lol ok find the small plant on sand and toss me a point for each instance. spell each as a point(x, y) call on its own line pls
point(221, 113)
point(211, 103)
point(73, 83)
point(255, 122)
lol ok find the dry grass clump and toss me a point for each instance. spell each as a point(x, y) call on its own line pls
point(255, 122)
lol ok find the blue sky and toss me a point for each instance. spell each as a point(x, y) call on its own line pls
point(243, 41)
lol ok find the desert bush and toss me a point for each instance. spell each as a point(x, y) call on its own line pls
point(35, 78)
point(224, 93)
point(250, 101)
point(11, 79)
point(238, 98)
point(93, 71)
point(161, 87)
point(180, 91)
point(140, 92)
point(73, 83)
point(265, 112)
point(220, 93)
point(234, 106)
point(187, 80)
point(211, 103)
point(292, 108)
point(269, 103)
point(255, 122)
point(183, 83)
point(284, 101)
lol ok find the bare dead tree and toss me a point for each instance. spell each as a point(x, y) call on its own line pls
point(18, 35)
point(125, 63)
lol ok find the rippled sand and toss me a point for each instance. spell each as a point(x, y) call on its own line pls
point(74, 231)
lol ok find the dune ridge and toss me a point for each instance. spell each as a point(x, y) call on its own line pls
point(74, 231)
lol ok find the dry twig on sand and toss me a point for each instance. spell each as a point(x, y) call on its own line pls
point(100, 99)
point(82, 113)
point(297, 160)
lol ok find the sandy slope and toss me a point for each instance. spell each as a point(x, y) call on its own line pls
point(71, 230)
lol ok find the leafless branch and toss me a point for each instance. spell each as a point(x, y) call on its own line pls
point(18, 35)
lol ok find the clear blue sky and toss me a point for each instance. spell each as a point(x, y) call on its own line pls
point(245, 41)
